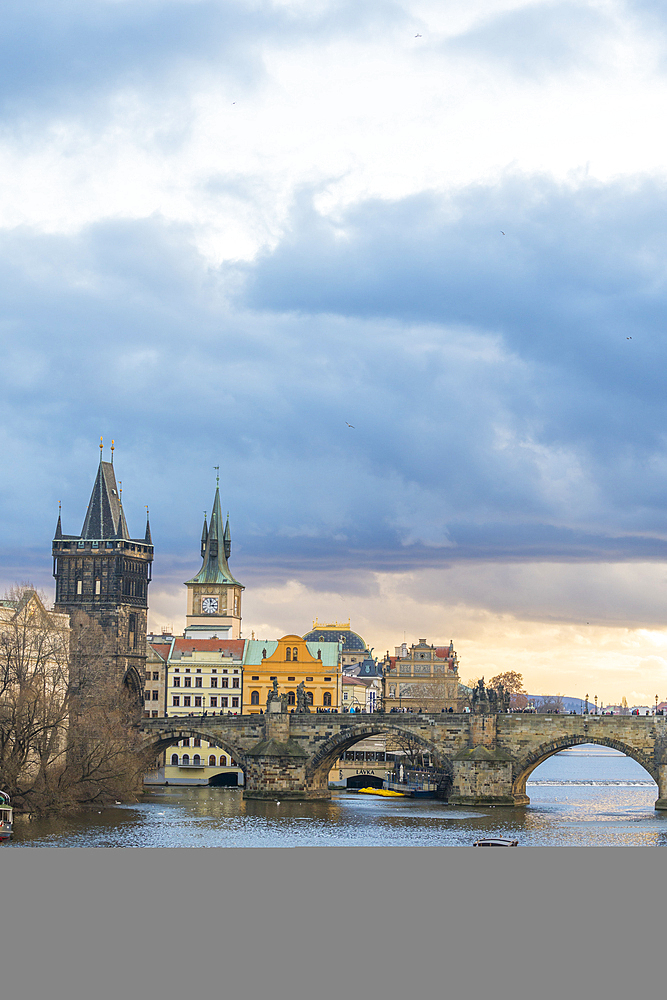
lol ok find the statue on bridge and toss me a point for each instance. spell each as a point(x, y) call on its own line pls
point(276, 702)
point(301, 698)
point(489, 701)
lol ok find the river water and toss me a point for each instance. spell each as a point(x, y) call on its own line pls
point(586, 797)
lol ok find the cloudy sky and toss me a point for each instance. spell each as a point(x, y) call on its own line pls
point(228, 229)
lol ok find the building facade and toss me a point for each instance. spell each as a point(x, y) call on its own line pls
point(291, 661)
point(422, 677)
point(105, 573)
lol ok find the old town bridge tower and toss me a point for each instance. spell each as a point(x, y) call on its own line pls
point(105, 573)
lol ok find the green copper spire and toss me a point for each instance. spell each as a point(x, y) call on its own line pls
point(214, 567)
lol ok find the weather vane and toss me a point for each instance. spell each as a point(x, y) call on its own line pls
point(217, 478)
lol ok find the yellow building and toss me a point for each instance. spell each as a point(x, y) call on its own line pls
point(291, 660)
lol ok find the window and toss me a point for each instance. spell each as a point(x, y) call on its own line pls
point(214, 701)
point(309, 697)
point(196, 760)
point(211, 760)
point(327, 698)
point(198, 701)
point(188, 682)
point(79, 586)
point(236, 682)
point(176, 701)
point(147, 696)
point(186, 759)
point(154, 715)
point(214, 682)
point(198, 670)
point(255, 677)
point(132, 632)
point(155, 695)
point(288, 654)
point(198, 682)
point(345, 696)
point(327, 678)
point(177, 682)
point(156, 676)
point(235, 703)
point(223, 760)
point(224, 702)
point(309, 678)
point(224, 682)
point(291, 678)
point(295, 653)
point(147, 715)
point(186, 743)
point(254, 697)
point(196, 741)
point(291, 699)
point(174, 758)
point(186, 701)
point(98, 587)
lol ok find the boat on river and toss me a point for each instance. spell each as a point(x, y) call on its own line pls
point(6, 816)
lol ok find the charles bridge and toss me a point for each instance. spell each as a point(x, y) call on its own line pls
point(484, 759)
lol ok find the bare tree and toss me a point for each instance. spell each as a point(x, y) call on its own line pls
point(67, 733)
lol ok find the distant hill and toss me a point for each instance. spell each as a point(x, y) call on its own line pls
point(569, 704)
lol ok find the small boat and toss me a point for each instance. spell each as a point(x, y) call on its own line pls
point(6, 816)
point(496, 842)
point(386, 792)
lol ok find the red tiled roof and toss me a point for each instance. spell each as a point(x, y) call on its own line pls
point(161, 648)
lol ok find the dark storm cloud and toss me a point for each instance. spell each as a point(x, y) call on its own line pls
point(499, 410)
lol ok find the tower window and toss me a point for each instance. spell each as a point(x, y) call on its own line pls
point(295, 653)
point(288, 655)
point(79, 586)
point(98, 587)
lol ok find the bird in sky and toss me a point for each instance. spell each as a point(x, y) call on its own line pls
point(350, 425)
point(417, 36)
point(501, 233)
point(628, 338)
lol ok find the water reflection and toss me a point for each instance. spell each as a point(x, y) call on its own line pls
point(588, 797)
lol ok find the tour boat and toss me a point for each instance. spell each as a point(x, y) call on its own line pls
point(496, 842)
point(5, 817)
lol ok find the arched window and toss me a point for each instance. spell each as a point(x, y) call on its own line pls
point(223, 760)
point(211, 760)
point(288, 655)
point(186, 758)
point(196, 759)
point(174, 759)
point(254, 697)
point(291, 698)
point(309, 697)
point(326, 701)
point(295, 653)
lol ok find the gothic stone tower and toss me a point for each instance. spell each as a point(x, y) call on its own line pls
point(214, 596)
point(105, 573)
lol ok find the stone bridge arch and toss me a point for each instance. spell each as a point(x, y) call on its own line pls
point(321, 763)
point(527, 764)
point(175, 735)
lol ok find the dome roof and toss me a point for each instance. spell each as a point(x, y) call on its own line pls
point(352, 643)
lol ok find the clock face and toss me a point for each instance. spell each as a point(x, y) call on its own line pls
point(209, 605)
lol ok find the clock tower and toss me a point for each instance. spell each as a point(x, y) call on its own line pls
point(214, 596)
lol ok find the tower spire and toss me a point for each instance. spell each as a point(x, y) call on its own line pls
point(59, 527)
point(147, 537)
point(204, 536)
point(228, 539)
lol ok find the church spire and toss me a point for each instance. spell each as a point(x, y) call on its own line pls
point(204, 536)
point(214, 566)
point(147, 536)
point(228, 539)
point(104, 514)
point(59, 527)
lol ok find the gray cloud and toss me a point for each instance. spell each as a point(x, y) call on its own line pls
point(499, 411)
point(538, 40)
